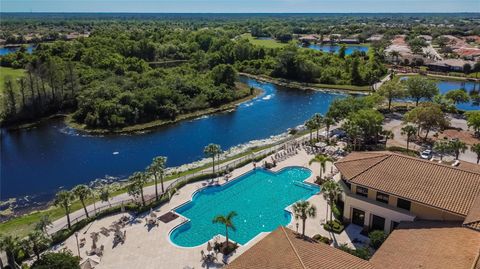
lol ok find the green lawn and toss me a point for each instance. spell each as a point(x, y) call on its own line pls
point(268, 43)
point(9, 72)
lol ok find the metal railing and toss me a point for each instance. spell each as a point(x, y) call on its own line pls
point(275, 147)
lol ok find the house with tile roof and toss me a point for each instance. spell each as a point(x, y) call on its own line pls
point(431, 212)
point(382, 189)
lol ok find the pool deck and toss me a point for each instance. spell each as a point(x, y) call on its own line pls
point(151, 248)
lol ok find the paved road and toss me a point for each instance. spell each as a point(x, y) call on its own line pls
point(395, 124)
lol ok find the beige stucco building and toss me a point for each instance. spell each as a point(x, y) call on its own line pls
point(382, 189)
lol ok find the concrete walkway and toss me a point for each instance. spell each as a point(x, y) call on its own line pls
point(150, 247)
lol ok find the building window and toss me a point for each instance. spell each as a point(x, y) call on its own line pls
point(404, 204)
point(382, 197)
point(362, 191)
point(378, 223)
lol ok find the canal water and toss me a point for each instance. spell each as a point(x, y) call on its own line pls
point(52, 156)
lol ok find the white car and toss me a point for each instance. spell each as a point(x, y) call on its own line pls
point(426, 154)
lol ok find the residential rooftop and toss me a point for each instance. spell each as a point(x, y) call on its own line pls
point(285, 249)
point(436, 185)
point(428, 244)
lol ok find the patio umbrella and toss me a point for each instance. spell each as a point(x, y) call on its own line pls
point(89, 263)
point(320, 144)
point(330, 149)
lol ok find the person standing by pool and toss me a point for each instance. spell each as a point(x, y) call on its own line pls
point(254, 165)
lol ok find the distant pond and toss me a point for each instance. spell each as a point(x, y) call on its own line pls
point(336, 48)
point(8, 50)
point(448, 85)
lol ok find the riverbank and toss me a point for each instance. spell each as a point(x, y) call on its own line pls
point(21, 225)
point(350, 89)
point(440, 77)
point(148, 126)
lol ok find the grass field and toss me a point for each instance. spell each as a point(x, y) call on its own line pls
point(268, 43)
point(9, 72)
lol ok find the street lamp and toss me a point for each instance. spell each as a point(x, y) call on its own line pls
point(78, 247)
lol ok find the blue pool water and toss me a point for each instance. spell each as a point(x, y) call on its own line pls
point(259, 198)
point(335, 48)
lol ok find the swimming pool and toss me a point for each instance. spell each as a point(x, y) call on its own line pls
point(259, 197)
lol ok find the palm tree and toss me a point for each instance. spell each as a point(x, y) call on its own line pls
point(331, 190)
point(82, 192)
point(322, 160)
point(317, 118)
point(303, 210)
point(394, 54)
point(137, 181)
point(409, 131)
point(388, 135)
point(211, 151)
point(43, 224)
point(10, 244)
point(354, 132)
point(157, 168)
point(443, 147)
point(36, 242)
point(328, 121)
point(311, 125)
point(105, 195)
point(458, 146)
point(64, 199)
point(476, 148)
point(227, 221)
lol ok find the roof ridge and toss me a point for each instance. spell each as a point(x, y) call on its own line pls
point(293, 247)
point(435, 163)
point(366, 158)
point(386, 156)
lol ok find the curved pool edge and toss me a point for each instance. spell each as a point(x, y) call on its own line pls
point(218, 185)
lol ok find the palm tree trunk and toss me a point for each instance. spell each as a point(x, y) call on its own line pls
point(304, 220)
point(84, 208)
point(408, 142)
point(161, 181)
point(213, 161)
point(226, 234)
point(389, 103)
point(68, 219)
point(320, 174)
point(156, 186)
point(331, 211)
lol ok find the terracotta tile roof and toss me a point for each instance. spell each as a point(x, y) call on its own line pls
point(441, 186)
point(429, 245)
point(473, 218)
point(283, 249)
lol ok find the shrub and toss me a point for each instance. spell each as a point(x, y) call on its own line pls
point(60, 260)
point(361, 252)
point(377, 238)
point(323, 239)
point(334, 226)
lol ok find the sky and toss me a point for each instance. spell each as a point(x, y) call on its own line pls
point(240, 6)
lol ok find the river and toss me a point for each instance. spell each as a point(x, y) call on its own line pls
point(41, 160)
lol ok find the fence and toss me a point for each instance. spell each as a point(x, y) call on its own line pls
point(172, 185)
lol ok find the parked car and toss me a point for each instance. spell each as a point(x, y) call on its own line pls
point(426, 154)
